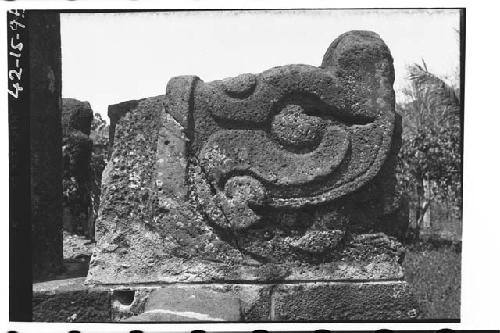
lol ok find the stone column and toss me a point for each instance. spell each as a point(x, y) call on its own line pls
point(45, 142)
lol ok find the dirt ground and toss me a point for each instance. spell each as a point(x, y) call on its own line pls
point(76, 251)
point(434, 275)
point(75, 246)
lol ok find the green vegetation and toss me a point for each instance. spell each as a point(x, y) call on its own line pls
point(430, 167)
point(430, 171)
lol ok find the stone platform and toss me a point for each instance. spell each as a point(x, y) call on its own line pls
point(72, 301)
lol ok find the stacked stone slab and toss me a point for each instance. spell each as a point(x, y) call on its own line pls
point(275, 189)
point(77, 152)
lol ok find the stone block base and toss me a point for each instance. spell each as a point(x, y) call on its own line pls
point(288, 302)
point(343, 301)
point(70, 301)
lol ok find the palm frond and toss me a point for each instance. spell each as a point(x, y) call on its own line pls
point(438, 91)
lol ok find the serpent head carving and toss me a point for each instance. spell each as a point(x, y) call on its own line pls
point(293, 136)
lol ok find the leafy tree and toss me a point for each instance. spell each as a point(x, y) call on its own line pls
point(99, 130)
point(431, 150)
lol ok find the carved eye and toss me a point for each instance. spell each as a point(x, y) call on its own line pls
point(295, 129)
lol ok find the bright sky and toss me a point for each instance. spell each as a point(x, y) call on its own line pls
point(110, 58)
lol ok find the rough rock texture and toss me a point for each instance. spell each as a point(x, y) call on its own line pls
point(194, 302)
point(115, 113)
point(258, 177)
point(344, 301)
point(303, 301)
point(317, 144)
point(76, 116)
point(181, 304)
point(76, 246)
point(97, 164)
point(77, 152)
point(70, 301)
point(286, 176)
point(45, 143)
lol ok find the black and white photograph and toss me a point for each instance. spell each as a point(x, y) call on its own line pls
point(224, 165)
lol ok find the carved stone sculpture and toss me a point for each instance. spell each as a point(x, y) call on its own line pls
point(277, 177)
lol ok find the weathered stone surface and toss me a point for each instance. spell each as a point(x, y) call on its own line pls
point(70, 301)
point(125, 214)
point(146, 230)
point(318, 145)
point(97, 164)
point(77, 152)
point(128, 302)
point(193, 302)
point(76, 116)
point(255, 301)
point(45, 142)
point(274, 177)
point(190, 304)
point(179, 98)
point(201, 302)
point(344, 301)
point(115, 113)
